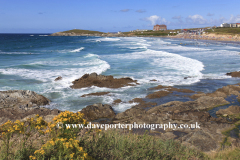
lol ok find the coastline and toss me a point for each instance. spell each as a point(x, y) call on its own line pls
point(208, 37)
point(211, 37)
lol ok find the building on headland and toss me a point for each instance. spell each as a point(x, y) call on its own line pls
point(160, 27)
point(232, 25)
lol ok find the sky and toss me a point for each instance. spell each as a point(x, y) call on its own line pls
point(49, 16)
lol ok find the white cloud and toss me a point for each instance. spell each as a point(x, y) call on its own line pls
point(234, 19)
point(155, 19)
point(196, 19)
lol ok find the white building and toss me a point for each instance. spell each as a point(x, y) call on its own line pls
point(225, 25)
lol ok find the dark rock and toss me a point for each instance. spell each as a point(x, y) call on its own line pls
point(117, 101)
point(58, 78)
point(171, 89)
point(17, 98)
point(95, 94)
point(158, 94)
point(96, 111)
point(234, 74)
point(154, 80)
point(102, 81)
point(187, 77)
point(166, 90)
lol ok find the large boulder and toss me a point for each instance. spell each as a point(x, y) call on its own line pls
point(19, 98)
point(94, 79)
point(97, 111)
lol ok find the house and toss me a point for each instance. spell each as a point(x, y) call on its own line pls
point(160, 27)
point(238, 24)
point(233, 25)
point(225, 25)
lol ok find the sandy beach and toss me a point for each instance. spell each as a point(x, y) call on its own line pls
point(210, 36)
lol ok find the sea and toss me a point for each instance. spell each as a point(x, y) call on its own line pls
point(33, 61)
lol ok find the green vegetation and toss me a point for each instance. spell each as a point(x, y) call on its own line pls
point(152, 33)
point(79, 31)
point(37, 139)
point(17, 138)
point(220, 30)
point(230, 153)
point(112, 145)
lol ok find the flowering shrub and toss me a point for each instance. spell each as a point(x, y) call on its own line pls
point(62, 143)
point(61, 148)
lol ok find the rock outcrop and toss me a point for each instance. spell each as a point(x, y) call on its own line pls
point(221, 92)
point(234, 74)
point(94, 79)
point(97, 111)
point(165, 91)
point(21, 98)
point(58, 78)
point(23, 112)
point(232, 110)
point(95, 94)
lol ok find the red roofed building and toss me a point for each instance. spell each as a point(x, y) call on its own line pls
point(160, 27)
point(238, 24)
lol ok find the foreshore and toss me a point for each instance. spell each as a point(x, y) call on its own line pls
point(211, 36)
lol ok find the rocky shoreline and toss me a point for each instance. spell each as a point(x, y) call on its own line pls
point(210, 136)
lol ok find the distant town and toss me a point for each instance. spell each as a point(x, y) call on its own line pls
point(224, 32)
point(197, 31)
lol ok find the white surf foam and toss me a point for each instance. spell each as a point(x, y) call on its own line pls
point(91, 55)
point(166, 67)
point(109, 39)
point(77, 50)
point(17, 53)
point(68, 74)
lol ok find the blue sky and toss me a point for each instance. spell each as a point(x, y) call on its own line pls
point(48, 16)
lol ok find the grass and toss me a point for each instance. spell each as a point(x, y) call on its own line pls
point(227, 31)
point(111, 145)
point(230, 153)
point(152, 33)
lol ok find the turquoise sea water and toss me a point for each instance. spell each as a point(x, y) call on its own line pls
point(33, 61)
